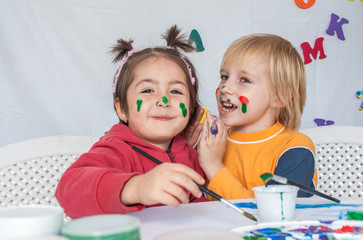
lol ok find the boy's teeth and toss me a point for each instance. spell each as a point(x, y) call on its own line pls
point(227, 104)
point(228, 107)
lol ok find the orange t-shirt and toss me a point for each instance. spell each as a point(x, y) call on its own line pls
point(249, 155)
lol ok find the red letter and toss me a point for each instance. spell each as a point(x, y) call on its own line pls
point(307, 50)
point(302, 4)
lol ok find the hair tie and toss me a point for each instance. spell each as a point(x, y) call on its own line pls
point(129, 54)
point(192, 79)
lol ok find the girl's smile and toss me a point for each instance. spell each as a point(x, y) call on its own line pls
point(162, 118)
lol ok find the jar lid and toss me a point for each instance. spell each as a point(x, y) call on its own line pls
point(110, 226)
point(199, 233)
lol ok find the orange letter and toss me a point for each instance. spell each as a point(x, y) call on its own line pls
point(302, 4)
point(307, 50)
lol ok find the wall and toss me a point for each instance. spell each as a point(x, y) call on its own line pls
point(56, 72)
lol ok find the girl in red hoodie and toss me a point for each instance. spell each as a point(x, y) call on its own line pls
point(155, 98)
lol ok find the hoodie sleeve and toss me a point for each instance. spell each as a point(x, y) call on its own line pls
point(92, 185)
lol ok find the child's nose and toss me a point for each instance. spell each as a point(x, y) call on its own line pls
point(227, 87)
point(163, 102)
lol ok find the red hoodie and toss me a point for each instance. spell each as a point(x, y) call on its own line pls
point(93, 183)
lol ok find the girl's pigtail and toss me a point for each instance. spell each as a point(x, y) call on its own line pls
point(176, 40)
point(120, 49)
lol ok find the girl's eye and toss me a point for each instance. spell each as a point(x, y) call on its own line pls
point(224, 77)
point(176, 92)
point(147, 91)
point(245, 80)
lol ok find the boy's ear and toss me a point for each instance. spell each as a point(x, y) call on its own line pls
point(120, 113)
point(278, 104)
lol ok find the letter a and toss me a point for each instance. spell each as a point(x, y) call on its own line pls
point(307, 50)
point(336, 26)
point(194, 37)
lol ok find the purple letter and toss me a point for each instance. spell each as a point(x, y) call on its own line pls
point(336, 26)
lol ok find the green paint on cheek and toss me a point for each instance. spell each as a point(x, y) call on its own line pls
point(244, 108)
point(138, 102)
point(228, 100)
point(184, 110)
point(165, 100)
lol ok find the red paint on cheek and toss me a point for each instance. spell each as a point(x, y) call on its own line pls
point(217, 90)
point(244, 100)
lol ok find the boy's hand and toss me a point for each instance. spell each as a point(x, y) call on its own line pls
point(212, 146)
point(167, 183)
point(192, 132)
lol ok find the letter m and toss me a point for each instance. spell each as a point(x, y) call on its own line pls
point(307, 50)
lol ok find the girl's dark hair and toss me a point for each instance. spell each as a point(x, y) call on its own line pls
point(174, 41)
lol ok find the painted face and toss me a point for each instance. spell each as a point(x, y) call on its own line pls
point(158, 101)
point(244, 98)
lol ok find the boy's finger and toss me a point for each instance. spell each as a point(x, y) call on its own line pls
point(221, 126)
point(210, 118)
point(212, 123)
point(206, 132)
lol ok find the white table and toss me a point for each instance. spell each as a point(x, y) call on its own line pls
point(157, 220)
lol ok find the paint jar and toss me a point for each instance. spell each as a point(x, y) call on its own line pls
point(45, 237)
point(275, 202)
point(103, 227)
point(198, 234)
point(18, 222)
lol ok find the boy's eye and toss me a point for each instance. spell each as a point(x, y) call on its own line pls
point(224, 77)
point(245, 80)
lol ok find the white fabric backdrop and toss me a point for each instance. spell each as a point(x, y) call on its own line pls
point(56, 73)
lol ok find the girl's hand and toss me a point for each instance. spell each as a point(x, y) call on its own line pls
point(168, 184)
point(212, 146)
point(192, 132)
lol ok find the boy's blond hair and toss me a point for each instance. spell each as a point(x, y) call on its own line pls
point(286, 72)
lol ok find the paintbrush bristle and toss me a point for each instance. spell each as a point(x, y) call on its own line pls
point(265, 176)
point(250, 216)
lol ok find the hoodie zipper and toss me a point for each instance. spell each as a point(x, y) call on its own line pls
point(171, 155)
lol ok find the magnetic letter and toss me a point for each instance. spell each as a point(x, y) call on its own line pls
point(307, 50)
point(336, 26)
point(194, 37)
point(302, 4)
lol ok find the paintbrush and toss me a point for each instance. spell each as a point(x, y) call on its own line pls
point(203, 188)
point(279, 179)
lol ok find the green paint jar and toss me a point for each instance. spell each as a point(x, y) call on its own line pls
point(103, 227)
